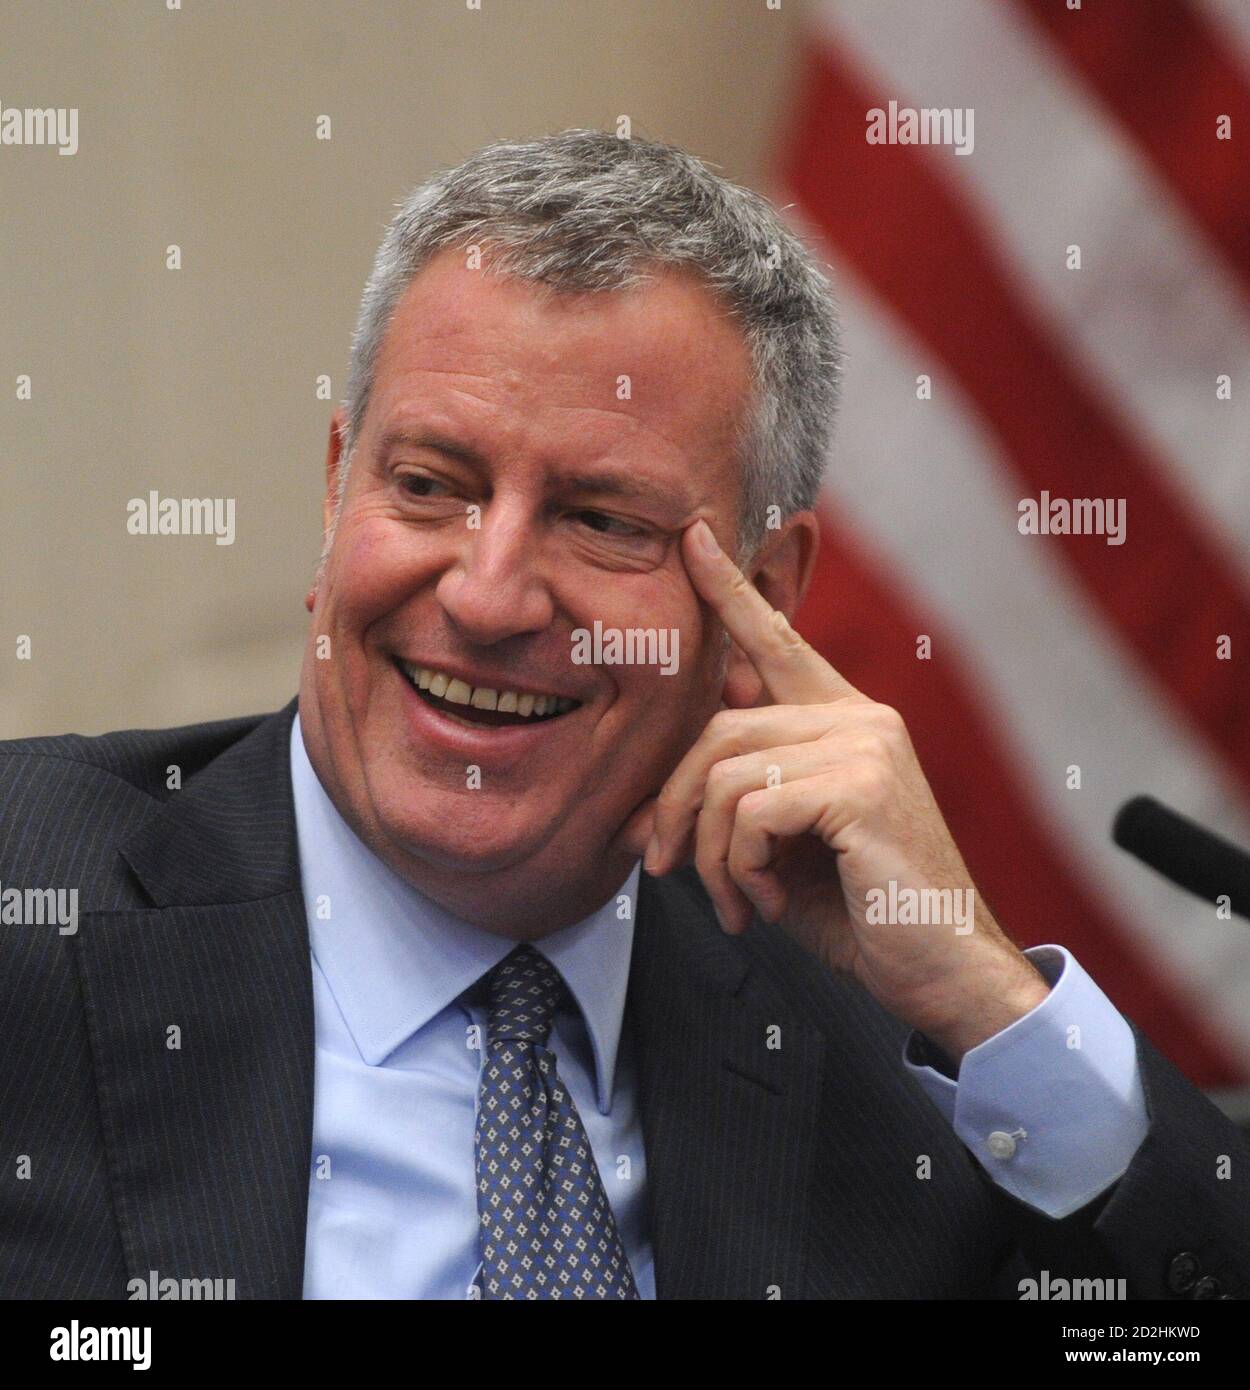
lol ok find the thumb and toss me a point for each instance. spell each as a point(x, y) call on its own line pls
point(635, 833)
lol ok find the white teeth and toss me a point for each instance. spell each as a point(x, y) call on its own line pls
point(460, 692)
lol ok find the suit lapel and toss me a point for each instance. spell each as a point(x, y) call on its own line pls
point(729, 1085)
point(200, 1017)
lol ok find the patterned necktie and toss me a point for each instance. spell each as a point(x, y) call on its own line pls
point(544, 1223)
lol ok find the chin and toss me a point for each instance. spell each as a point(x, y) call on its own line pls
point(484, 839)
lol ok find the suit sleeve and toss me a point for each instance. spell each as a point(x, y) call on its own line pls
point(1118, 1168)
point(1177, 1224)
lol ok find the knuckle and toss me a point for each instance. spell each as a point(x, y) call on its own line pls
point(890, 720)
point(872, 747)
point(719, 779)
point(725, 727)
point(872, 784)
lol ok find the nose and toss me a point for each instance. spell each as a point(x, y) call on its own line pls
point(495, 589)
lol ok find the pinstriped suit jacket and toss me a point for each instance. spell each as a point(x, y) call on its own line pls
point(787, 1171)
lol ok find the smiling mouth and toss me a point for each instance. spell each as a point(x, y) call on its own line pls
point(483, 706)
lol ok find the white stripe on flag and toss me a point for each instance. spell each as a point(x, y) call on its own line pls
point(1153, 317)
point(1231, 21)
point(926, 489)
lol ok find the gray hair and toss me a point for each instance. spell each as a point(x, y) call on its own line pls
point(584, 210)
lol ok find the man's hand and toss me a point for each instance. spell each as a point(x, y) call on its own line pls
point(806, 810)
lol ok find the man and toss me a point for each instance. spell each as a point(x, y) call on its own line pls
point(374, 999)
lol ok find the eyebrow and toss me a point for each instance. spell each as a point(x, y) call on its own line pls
point(620, 485)
point(427, 439)
point(607, 484)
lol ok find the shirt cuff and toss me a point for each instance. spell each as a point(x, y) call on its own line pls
point(1052, 1107)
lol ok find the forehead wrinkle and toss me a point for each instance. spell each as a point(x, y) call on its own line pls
point(710, 446)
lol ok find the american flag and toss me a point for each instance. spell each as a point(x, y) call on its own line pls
point(1118, 128)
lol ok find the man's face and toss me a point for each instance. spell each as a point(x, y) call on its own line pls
point(525, 469)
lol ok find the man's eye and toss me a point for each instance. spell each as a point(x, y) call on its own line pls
point(419, 485)
point(606, 525)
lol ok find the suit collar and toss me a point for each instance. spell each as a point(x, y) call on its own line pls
point(228, 836)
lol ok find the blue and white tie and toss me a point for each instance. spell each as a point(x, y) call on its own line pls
point(545, 1226)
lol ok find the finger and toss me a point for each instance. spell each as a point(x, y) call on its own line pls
point(763, 821)
point(727, 783)
point(728, 734)
point(792, 672)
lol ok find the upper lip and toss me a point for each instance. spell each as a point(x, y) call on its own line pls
point(488, 679)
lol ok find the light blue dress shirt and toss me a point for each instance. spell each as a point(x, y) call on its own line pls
point(392, 1209)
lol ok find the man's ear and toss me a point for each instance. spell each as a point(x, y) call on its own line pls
point(781, 570)
point(329, 503)
point(334, 462)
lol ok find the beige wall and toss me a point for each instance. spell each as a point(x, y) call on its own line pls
point(197, 127)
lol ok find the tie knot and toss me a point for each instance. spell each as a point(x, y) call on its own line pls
point(523, 992)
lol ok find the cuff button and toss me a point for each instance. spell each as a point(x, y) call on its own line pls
point(1001, 1144)
point(1183, 1271)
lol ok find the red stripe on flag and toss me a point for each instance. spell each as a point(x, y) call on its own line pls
point(860, 623)
point(1162, 71)
point(888, 209)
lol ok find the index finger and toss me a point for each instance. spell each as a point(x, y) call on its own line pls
point(793, 672)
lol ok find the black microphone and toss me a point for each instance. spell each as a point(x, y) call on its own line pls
point(1183, 851)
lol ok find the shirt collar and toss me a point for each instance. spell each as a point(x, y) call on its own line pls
point(394, 959)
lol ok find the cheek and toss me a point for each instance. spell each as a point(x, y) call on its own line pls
point(668, 703)
point(374, 566)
